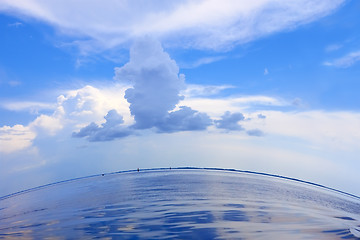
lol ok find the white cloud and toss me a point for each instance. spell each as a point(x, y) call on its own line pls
point(156, 82)
point(320, 129)
point(15, 138)
point(151, 84)
point(311, 145)
point(33, 107)
point(266, 71)
point(323, 129)
point(74, 109)
point(77, 108)
point(155, 91)
point(156, 87)
point(345, 61)
point(20, 137)
point(15, 24)
point(215, 107)
point(90, 104)
point(201, 61)
point(197, 90)
point(333, 47)
point(207, 24)
point(47, 124)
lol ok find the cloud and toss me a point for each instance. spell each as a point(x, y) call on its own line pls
point(185, 119)
point(215, 106)
point(255, 132)
point(153, 96)
point(15, 24)
point(48, 124)
point(31, 106)
point(345, 61)
point(19, 137)
point(207, 24)
point(266, 71)
point(195, 90)
point(147, 95)
point(156, 83)
point(202, 61)
point(73, 110)
point(333, 47)
point(261, 116)
point(14, 83)
point(156, 90)
point(6, 80)
point(15, 138)
point(321, 129)
point(110, 130)
point(297, 102)
point(91, 103)
point(230, 121)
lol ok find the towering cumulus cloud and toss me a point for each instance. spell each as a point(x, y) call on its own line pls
point(155, 92)
point(156, 83)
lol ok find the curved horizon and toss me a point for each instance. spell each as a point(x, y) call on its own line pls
point(179, 168)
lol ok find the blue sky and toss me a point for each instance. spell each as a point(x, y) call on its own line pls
point(267, 86)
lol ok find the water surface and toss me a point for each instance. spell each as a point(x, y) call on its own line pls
point(180, 204)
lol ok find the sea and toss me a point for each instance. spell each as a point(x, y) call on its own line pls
point(180, 203)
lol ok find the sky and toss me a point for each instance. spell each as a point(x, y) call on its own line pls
point(89, 87)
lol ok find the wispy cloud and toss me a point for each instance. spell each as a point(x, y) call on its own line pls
point(215, 106)
point(266, 71)
point(333, 47)
point(33, 107)
point(196, 90)
point(208, 24)
point(15, 24)
point(202, 61)
point(345, 61)
point(316, 127)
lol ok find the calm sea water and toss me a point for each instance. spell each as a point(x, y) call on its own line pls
point(180, 204)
